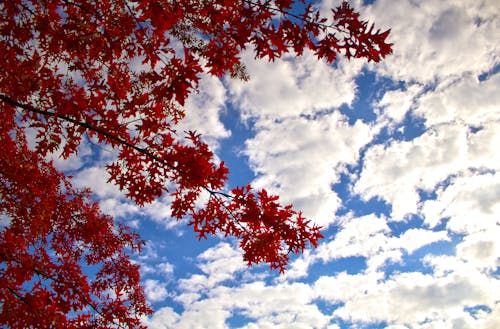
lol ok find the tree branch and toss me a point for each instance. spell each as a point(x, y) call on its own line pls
point(102, 132)
point(287, 13)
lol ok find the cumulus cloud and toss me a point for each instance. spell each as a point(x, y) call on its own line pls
point(468, 100)
point(415, 238)
point(343, 287)
point(416, 298)
point(163, 318)
point(301, 143)
point(166, 269)
point(279, 306)
point(96, 179)
point(155, 290)
point(395, 105)
point(211, 298)
point(113, 202)
point(361, 236)
point(396, 172)
point(301, 158)
point(75, 161)
point(481, 250)
point(203, 110)
point(293, 86)
point(437, 40)
point(369, 237)
point(470, 203)
point(218, 264)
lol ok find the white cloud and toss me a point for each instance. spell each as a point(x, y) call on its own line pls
point(155, 290)
point(212, 298)
point(299, 267)
point(370, 237)
point(470, 202)
point(297, 157)
point(75, 161)
point(118, 208)
point(113, 202)
point(300, 159)
point(481, 250)
point(163, 318)
point(205, 314)
point(162, 269)
point(166, 269)
point(467, 99)
point(478, 252)
point(292, 86)
point(396, 172)
point(203, 110)
point(219, 263)
point(344, 287)
point(280, 306)
point(449, 43)
point(160, 212)
point(149, 251)
point(407, 298)
point(395, 104)
point(361, 236)
point(438, 39)
point(96, 179)
point(416, 238)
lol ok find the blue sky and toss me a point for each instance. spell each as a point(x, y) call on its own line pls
point(399, 161)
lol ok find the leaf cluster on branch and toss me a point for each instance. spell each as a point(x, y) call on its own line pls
point(119, 72)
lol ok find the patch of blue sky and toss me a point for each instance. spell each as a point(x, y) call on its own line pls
point(173, 246)
point(238, 319)
point(410, 128)
point(359, 207)
point(486, 75)
point(399, 227)
point(371, 87)
point(415, 262)
point(477, 311)
point(231, 148)
point(89, 155)
point(327, 307)
point(350, 265)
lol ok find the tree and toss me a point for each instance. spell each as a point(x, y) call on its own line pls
point(118, 73)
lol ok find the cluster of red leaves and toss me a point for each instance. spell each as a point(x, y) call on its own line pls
point(53, 233)
point(268, 231)
point(119, 72)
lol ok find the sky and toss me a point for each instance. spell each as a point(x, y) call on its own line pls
point(399, 161)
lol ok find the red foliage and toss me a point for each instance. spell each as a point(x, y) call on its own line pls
point(120, 72)
point(53, 233)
